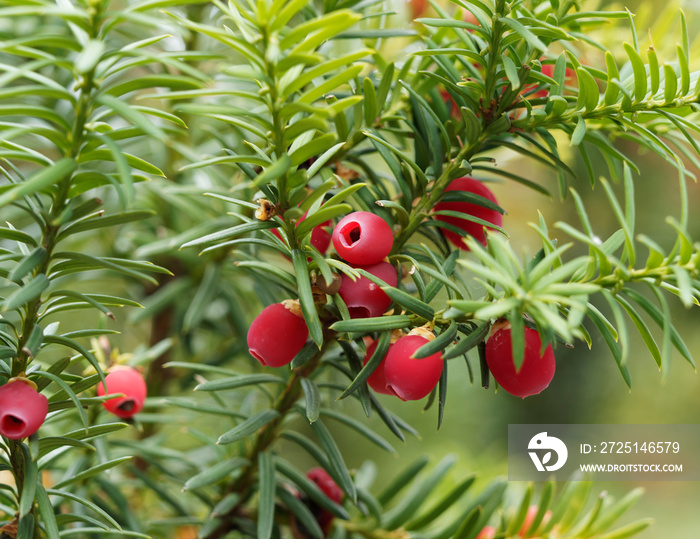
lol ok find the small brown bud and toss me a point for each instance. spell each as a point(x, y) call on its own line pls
point(266, 211)
point(329, 288)
point(345, 172)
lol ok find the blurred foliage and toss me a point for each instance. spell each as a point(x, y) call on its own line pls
point(137, 141)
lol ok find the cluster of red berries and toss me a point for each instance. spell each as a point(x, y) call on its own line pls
point(363, 240)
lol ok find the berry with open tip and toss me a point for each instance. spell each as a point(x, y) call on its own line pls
point(364, 298)
point(22, 409)
point(408, 378)
point(362, 238)
point(277, 334)
point(130, 382)
point(536, 371)
point(468, 185)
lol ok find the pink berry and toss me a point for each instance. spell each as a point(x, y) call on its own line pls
point(417, 8)
point(536, 371)
point(489, 532)
point(363, 238)
point(530, 518)
point(377, 380)
point(469, 185)
point(364, 298)
point(320, 238)
point(277, 335)
point(411, 379)
point(22, 410)
point(130, 382)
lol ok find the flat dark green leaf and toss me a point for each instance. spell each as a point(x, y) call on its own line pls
point(402, 480)
point(370, 366)
point(28, 264)
point(361, 428)
point(610, 339)
point(468, 341)
point(90, 472)
point(29, 292)
point(306, 298)
point(266, 495)
point(439, 343)
point(449, 499)
point(215, 473)
point(312, 398)
point(237, 230)
point(248, 427)
point(93, 507)
point(99, 221)
point(338, 468)
point(407, 507)
point(301, 512)
point(410, 302)
point(242, 380)
point(39, 181)
point(310, 488)
point(640, 72)
point(524, 32)
point(29, 482)
point(365, 325)
point(46, 511)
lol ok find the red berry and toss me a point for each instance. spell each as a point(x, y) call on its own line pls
point(469, 185)
point(417, 8)
point(320, 238)
point(326, 484)
point(22, 410)
point(277, 335)
point(489, 532)
point(536, 371)
point(468, 16)
point(363, 238)
point(411, 379)
point(126, 380)
point(451, 103)
point(377, 380)
point(330, 489)
point(364, 298)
